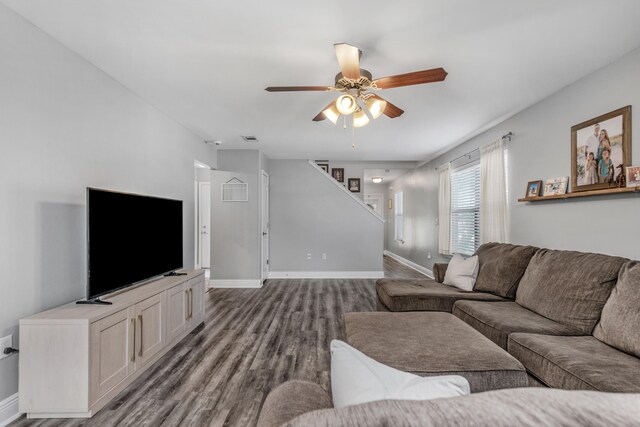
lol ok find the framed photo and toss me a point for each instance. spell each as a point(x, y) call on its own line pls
point(534, 188)
point(598, 147)
point(633, 176)
point(338, 174)
point(324, 166)
point(556, 186)
point(354, 185)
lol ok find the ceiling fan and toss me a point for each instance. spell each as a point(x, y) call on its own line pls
point(356, 86)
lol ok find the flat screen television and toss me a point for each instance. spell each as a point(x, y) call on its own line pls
point(130, 238)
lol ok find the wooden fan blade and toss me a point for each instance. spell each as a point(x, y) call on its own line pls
point(298, 88)
point(390, 110)
point(409, 79)
point(320, 117)
point(349, 60)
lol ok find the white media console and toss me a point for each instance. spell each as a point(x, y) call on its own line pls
point(75, 358)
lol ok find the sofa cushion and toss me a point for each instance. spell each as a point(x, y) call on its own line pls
point(496, 320)
point(432, 343)
point(501, 267)
point(291, 399)
point(527, 407)
point(424, 295)
point(439, 271)
point(620, 321)
point(462, 272)
point(576, 362)
point(569, 287)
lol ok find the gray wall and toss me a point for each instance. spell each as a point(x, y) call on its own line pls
point(540, 150)
point(235, 241)
point(309, 214)
point(65, 126)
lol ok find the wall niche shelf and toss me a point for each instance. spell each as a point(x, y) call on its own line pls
point(602, 192)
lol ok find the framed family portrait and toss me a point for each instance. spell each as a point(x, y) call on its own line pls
point(338, 174)
point(354, 185)
point(324, 166)
point(598, 147)
point(534, 189)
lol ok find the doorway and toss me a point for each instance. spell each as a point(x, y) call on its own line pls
point(202, 217)
point(264, 222)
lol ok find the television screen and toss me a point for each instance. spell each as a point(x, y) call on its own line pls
point(130, 238)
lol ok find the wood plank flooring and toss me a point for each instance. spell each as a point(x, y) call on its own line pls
point(252, 340)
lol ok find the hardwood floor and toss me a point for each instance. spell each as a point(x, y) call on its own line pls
point(252, 340)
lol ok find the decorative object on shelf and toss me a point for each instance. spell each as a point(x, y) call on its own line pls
point(556, 186)
point(377, 179)
point(235, 190)
point(354, 185)
point(621, 179)
point(324, 166)
point(597, 145)
point(633, 176)
point(338, 174)
point(534, 188)
point(355, 86)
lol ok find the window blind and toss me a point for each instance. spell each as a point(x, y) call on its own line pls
point(465, 210)
point(399, 217)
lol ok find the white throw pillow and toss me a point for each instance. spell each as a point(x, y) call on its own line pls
point(462, 273)
point(357, 378)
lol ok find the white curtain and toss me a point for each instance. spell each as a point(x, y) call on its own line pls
point(444, 210)
point(494, 221)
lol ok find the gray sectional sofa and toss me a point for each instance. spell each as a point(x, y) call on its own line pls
point(571, 319)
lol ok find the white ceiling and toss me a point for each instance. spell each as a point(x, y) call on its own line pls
point(206, 63)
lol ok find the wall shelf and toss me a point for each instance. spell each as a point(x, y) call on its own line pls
point(602, 192)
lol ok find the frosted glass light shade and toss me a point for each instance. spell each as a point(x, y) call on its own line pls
point(332, 114)
point(376, 179)
point(346, 104)
point(376, 107)
point(360, 119)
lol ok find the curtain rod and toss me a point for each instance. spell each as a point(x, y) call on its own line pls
point(505, 138)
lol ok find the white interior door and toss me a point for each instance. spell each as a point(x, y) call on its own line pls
point(204, 222)
point(264, 215)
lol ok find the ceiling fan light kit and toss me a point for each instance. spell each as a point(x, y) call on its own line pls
point(360, 118)
point(356, 85)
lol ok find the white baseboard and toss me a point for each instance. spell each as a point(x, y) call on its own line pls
point(411, 264)
point(326, 274)
point(248, 283)
point(9, 410)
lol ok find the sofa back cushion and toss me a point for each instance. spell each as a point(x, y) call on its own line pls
point(569, 287)
point(620, 321)
point(501, 267)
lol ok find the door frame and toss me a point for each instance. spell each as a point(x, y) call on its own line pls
point(199, 224)
point(197, 262)
point(264, 176)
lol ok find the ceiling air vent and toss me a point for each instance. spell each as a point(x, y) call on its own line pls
point(250, 138)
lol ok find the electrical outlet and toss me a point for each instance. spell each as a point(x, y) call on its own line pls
point(324, 257)
point(5, 343)
point(308, 256)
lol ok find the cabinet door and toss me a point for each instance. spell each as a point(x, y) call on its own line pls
point(197, 300)
point(112, 358)
point(176, 311)
point(151, 336)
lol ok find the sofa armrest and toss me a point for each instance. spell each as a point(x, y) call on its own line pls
point(291, 399)
point(439, 271)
